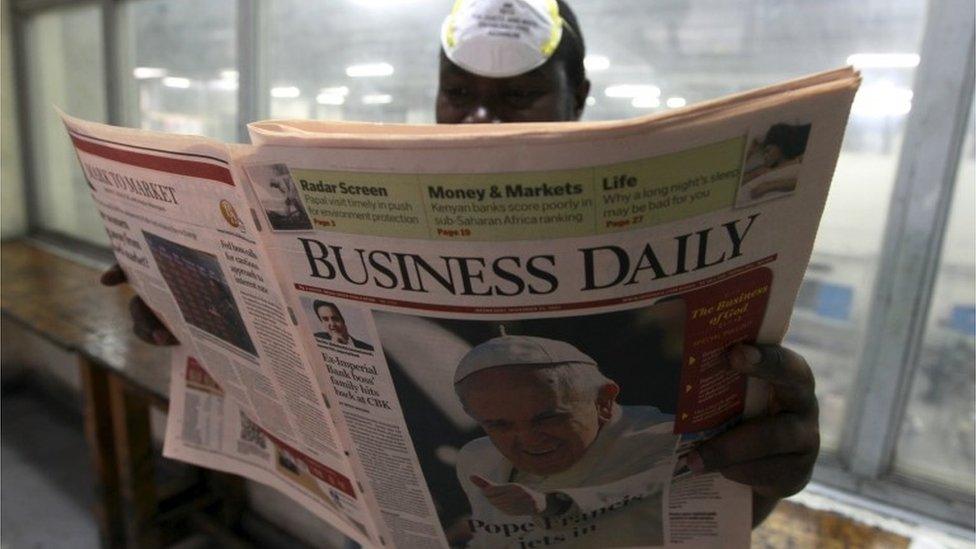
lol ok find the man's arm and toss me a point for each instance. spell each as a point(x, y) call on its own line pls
point(145, 324)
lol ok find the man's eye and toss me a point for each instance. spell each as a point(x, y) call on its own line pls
point(457, 92)
point(523, 97)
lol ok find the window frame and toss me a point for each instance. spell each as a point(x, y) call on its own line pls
point(861, 468)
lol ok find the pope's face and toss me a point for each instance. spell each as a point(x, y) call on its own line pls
point(531, 420)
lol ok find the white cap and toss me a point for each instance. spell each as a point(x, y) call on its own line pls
point(519, 351)
point(501, 38)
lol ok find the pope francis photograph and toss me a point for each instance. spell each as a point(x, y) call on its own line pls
point(562, 463)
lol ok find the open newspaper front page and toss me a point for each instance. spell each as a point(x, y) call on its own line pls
point(519, 331)
point(181, 229)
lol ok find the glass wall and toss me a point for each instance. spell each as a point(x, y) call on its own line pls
point(66, 71)
point(180, 66)
point(354, 59)
point(938, 437)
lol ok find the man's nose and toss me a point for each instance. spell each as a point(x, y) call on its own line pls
point(481, 114)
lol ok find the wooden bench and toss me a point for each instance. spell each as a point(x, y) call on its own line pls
point(121, 379)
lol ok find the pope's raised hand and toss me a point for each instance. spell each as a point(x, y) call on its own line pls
point(511, 498)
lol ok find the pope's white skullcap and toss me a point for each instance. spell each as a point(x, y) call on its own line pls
point(501, 38)
point(519, 351)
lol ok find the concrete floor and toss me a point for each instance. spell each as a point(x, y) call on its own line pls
point(46, 495)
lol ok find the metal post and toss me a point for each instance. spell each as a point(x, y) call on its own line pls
point(914, 232)
point(24, 106)
point(112, 64)
point(249, 66)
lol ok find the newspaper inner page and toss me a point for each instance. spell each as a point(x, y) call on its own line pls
point(524, 330)
point(181, 229)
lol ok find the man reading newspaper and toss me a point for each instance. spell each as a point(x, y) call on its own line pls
point(535, 73)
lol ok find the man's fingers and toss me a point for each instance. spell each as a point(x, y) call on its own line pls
point(147, 326)
point(778, 476)
point(758, 438)
point(113, 276)
point(789, 375)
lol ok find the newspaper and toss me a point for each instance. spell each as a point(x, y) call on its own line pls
point(493, 336)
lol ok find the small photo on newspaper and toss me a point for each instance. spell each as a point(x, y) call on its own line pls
point(341, 329)
point(197, 283)
point(279, 197)
point(772, 162)
point(536, 429)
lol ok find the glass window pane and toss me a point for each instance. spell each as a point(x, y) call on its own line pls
point(690, 51)
point(65, 69)
point(937, 439)
point(179, 64)
point(393, 45)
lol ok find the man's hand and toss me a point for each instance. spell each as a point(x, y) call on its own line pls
point(145, 324)
point(774, 453)
point(511, 499)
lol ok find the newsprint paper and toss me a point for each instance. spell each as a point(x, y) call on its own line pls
point(494, 336)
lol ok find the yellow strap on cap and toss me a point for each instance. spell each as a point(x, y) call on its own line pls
point(449, 36)
point(557, 29)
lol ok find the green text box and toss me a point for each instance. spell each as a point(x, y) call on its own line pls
point(509, 206)
point(363, 203)
point(667, 188)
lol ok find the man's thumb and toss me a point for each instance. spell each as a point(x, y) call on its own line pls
point(480, 482)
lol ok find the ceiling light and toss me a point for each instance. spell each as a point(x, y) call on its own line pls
point(377, 99)
point(143, 73)
point(223, 84)
point(630, 91)
point(595, 63)
point(884, 60)
point(336, 90)
point(369, 69)
point(881, 100)
point(676, 102)
point(176, 82)
point(285, 92)
point(645, 102)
